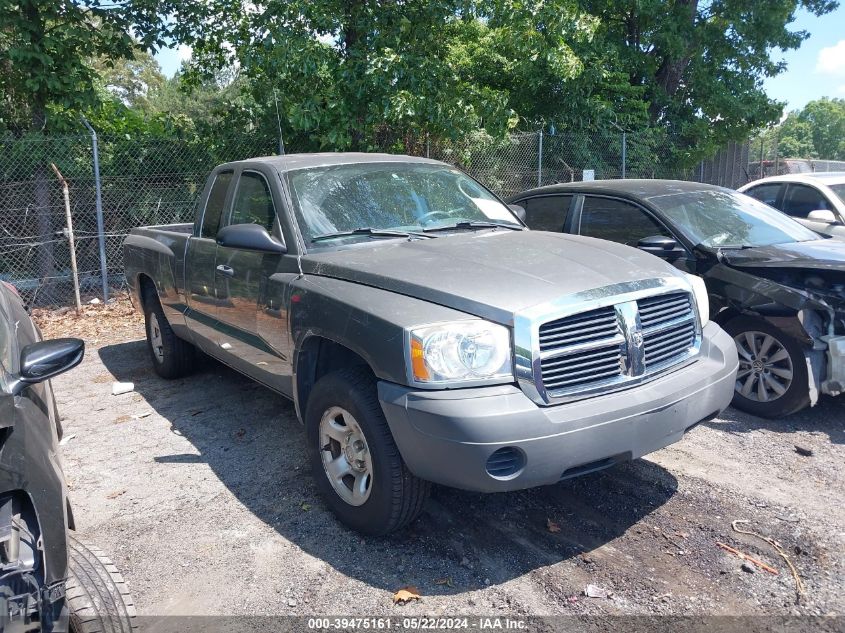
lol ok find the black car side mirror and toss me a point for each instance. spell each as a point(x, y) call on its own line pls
point(659, 245)
point(251, 237)
point(518, 211)
point(46, 359)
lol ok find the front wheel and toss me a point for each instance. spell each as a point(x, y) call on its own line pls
point(97, 597)
point(772, 380)
point(355, 462)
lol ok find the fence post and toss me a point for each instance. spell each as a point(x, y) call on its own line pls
point(71, 240)
point(540, 160)
point(624, 152)
point(104, 273)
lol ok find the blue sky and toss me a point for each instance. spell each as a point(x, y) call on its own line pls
point(815, 70)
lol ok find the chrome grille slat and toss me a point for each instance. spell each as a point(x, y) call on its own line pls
point(570, 361)
point(604, 366)
point(596, 331)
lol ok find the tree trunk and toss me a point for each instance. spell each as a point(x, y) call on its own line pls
point(41, 178)
point(672, 67)
point(355, 53)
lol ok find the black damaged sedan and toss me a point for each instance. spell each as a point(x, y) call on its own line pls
point(775, 286)
point(50, 581)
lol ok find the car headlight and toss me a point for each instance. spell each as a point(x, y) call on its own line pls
point(701, 298)
point(461, 351)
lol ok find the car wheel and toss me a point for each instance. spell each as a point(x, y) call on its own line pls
point(356, 464)
point(97, 597)
point(772, 380)
point(172, 357)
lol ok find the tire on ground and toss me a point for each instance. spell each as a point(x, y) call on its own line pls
point(177, 356)
point(97, 597)
point(796, 396)
point(396, 496)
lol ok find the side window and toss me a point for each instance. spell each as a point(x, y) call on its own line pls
point(253, 203)
point(801, 199)
point(766, 193)
point(214, 206)
point(546, 213)
point(617, 221)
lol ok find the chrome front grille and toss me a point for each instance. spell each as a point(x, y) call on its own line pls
point(626, 334)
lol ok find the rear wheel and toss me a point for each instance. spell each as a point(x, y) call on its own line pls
point(355, 462)
point(97, 597)
point(172, 357)
point(772, 380)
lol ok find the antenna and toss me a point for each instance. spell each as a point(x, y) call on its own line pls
point(279, 122)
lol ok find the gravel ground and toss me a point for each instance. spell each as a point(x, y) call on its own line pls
point(198, 488)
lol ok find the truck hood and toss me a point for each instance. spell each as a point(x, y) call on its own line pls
point(813, 255)
point(491, 274)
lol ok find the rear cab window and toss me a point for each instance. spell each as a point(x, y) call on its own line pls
point(214, 205)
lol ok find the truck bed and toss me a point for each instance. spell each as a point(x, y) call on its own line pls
point(158, 251)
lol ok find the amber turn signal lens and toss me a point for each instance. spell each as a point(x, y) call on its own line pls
point(418, 361)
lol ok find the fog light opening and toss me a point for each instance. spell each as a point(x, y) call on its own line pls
point(506, 463)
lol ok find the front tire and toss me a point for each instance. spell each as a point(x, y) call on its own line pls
point(355, 462)
point(171, 356)
point(97, 597)
point(772, 380)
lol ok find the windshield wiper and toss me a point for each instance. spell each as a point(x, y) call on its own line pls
point(369, 232)
point(475, 225)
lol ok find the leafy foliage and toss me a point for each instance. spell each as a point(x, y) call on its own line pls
point(47, 52)
point(816, 131)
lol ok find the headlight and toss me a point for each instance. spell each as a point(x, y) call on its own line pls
point(701, 298)
point(463, 351)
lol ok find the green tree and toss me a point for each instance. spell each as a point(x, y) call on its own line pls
point(132, 80)
point(701, 63)
point(815, 131)
point(344, 70)
point(825, 119)
point(46, 73)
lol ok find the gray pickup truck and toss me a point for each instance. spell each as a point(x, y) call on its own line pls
point(423, 333)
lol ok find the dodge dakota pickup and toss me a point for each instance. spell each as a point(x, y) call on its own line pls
point(423, 333)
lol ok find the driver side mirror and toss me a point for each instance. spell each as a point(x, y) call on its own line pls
point(252, 237)
point(822, 215)
point(47, 359)
point(518, 211)
point(659, 245)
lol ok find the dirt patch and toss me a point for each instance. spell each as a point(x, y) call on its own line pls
point(98, 324)
point(202, 496)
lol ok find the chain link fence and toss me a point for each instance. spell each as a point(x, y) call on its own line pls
point(146, 181)
point(769, 158)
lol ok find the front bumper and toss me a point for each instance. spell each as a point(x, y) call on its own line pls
point(447, 437)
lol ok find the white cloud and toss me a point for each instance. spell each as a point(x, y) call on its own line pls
point(831, 60)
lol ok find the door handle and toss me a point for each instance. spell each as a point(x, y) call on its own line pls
point(228, 271)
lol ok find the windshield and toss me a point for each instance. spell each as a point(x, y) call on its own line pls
point(722, 218)
point(839, 190)
point(389, 196)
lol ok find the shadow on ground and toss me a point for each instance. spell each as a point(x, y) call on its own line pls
point(828, 416)
point(253, 443)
